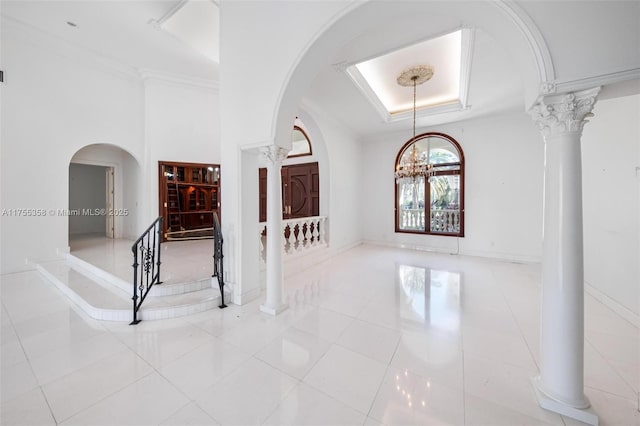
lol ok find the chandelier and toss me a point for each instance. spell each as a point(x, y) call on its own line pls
point(415, 166)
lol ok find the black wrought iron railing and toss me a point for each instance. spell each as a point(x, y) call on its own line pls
point(218, 265)
point(146, 264)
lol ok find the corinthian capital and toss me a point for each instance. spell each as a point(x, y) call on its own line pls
point(564, 113)
point(274, 153)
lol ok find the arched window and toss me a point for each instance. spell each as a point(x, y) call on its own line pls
point(432, 201)
point(300, 143)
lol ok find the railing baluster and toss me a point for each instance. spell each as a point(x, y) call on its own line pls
point(262, 253)
point(218, 257)
point(322, 223)
point(299, 235)
point(146, 265)
point(316, 233)
point(284, 240)
point(292, 237)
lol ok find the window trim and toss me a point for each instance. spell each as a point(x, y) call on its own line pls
point(428, 192)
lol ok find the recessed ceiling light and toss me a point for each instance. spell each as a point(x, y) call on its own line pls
point(448, 54)
point(72, 24)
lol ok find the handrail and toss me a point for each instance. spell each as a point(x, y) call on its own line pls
point(218, 266)
point(148, 245)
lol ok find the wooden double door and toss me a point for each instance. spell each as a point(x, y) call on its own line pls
point(300, 191)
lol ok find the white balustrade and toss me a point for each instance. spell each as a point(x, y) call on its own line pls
point(445, 220)
point(412, 219)
point(300, 235)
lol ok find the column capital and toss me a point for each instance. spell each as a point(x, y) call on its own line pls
point(274, 153)
point(564, 112)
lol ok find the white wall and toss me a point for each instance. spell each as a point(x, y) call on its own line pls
point(611, 182)
point(134, 223)
point(503, 189)
point(182, 124)
point(340, 165)
point(54, 102)
point(58, 99)
point(87, 191)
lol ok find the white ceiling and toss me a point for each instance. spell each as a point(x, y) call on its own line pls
point(442, 54)
point(122, 31)
point(495, 86)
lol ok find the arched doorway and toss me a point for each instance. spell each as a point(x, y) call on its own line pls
point(103, 193)
point(335, 39)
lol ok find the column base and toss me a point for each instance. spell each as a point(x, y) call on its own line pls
point(274, 311)
point(585, 415)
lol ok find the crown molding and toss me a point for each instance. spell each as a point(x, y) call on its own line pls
point(146, 74)
point(598, 80)
point(584, 83)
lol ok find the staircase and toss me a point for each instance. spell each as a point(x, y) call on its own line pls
point(104, 296)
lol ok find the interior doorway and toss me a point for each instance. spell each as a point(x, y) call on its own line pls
point(109, 202)
point(300, 191)
point(91, 194)
point(189, 195)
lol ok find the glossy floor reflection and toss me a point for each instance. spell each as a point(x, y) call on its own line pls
point(182, 261)
point(376, 336)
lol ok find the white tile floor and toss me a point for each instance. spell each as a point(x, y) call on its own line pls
point(182, 261)
point(376, 336)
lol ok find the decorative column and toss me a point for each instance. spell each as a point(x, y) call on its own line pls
point(560, 386)
point(275, 283)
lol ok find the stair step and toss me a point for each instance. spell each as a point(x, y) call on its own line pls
point(102, 299)
point(165, 289)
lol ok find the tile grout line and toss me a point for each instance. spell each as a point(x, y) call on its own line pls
point(26, 357)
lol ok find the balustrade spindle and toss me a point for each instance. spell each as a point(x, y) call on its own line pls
point(314, 232)
point(298, 235)
point(287, 238)
point(262, 253)
point(320, 231)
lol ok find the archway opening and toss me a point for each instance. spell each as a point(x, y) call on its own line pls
point(103, 199)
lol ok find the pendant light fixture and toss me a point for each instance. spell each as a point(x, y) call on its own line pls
point(414, 167)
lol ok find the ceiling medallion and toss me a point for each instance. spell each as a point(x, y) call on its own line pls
point(415, 75)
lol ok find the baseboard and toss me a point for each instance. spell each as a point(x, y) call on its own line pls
point(615, 306)
point(244, 298)
point(502, 256)
point(444, 250)
point(417, 247)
